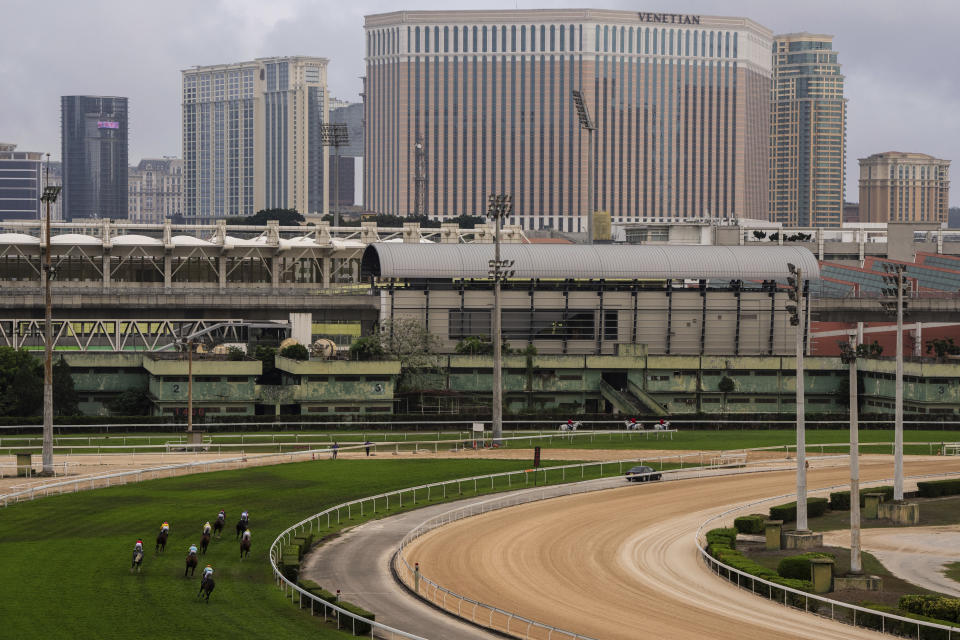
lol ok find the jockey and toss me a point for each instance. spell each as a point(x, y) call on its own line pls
point(165, 527)
point(138, 547)
point(207, 572)
point(246, 535)
point(192, 551)
point(244, 517)
point(222, 515)
point(207, 528)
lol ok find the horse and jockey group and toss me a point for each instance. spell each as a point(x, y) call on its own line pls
point(193, 552)
point(635, 425)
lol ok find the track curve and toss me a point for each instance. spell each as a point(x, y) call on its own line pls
point(622, 563)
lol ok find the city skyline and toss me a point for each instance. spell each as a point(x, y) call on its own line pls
point(899, 97)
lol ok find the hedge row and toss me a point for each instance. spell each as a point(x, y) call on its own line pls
point(938, 607)
point(788, 512)
point(357, 627)
point(721, 544)
point(840, 500)
point(798, 567)
point(751, 524)
point(938, 488)
point(898, 628)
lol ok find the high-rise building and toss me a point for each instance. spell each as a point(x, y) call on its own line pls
point(479, 102)
point(904, 187)
point(156, 190)
point(251, 137)
point(21, 183)
point(808, 124)
point(94, 155)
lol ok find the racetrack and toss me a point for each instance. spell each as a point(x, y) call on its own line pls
point(622, 564)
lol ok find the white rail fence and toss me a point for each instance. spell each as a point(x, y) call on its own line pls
point(435, 593)
point(820, 605)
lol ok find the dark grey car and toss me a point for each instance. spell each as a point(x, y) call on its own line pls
point(642, 473)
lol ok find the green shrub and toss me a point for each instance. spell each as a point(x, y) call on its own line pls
point(898, 628)
point(937, 488)
point(914, 602)
point(788, 512)
point(358, 628)
point(798, 567)
point(752, 524)
point(295, 352)
point(793, 583)
point(840, 500)
point(727, 537)
point(942, 609)
point(290, 565)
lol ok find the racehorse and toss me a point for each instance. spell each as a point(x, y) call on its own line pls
point(161, 541)
point(137, 561)
point(204, 541)
point(217, 526)
point(191, 564)
point(244, 547)
point(241, 527)
point(207, 586)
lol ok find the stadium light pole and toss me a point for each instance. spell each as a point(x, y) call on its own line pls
point(588, 125)
point(49, 196)
point(499, 207)
point(335, 134)
point(795, 291)
point(895, 288)
point(848, 354)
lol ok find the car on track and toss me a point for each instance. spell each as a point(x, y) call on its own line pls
point(642, 473)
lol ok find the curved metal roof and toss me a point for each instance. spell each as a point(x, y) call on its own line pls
point(592, 262)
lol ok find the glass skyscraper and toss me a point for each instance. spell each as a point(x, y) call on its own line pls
point(94, 154)
point(251, 137)
point(808, 123)
point(21, 183)
point(681, 103)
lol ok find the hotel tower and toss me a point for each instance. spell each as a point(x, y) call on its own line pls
point(462, 104)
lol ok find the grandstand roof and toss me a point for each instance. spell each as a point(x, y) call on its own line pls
point(590, 262)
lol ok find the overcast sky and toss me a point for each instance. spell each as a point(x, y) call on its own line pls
point(899, 58)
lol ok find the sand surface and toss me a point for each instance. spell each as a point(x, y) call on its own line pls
point(916, 554)
point(622, 564)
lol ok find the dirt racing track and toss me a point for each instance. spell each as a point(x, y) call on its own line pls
point(622, 564)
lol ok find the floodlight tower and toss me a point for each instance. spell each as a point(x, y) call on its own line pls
point(499, 207)
point(795, 290)
point(896, 287)
point(848, 354)
point(335, 134)
point(588, 125)
point(49, 196)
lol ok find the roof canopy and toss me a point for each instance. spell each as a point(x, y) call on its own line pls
point(589, 262)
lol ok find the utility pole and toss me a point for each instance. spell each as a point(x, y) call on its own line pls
point(896, 284)
point(848, 354)
point(499, 207)
point(335, 134)
point(49, 196)
point(587, 124)
point(795, 291)
point(420, 179)
point(189, 386)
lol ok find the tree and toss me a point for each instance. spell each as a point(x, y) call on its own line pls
point(132, 402)
point(286, 217)
point(21, 383)
point(367, 348)
point(408, 340)
point(235, 353)
point(943, 347)
point(65, 399)
point(269, 373)
point(295, 352)
point(474, 346)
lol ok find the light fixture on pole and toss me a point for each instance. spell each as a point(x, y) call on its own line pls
point(335, 134)
point(49, 196)
point(896, 287)
point(795, 291)
point(499, 207)
point(588, 125)
point(848, 354)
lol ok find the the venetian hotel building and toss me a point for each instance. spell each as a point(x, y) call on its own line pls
point(681, 103)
